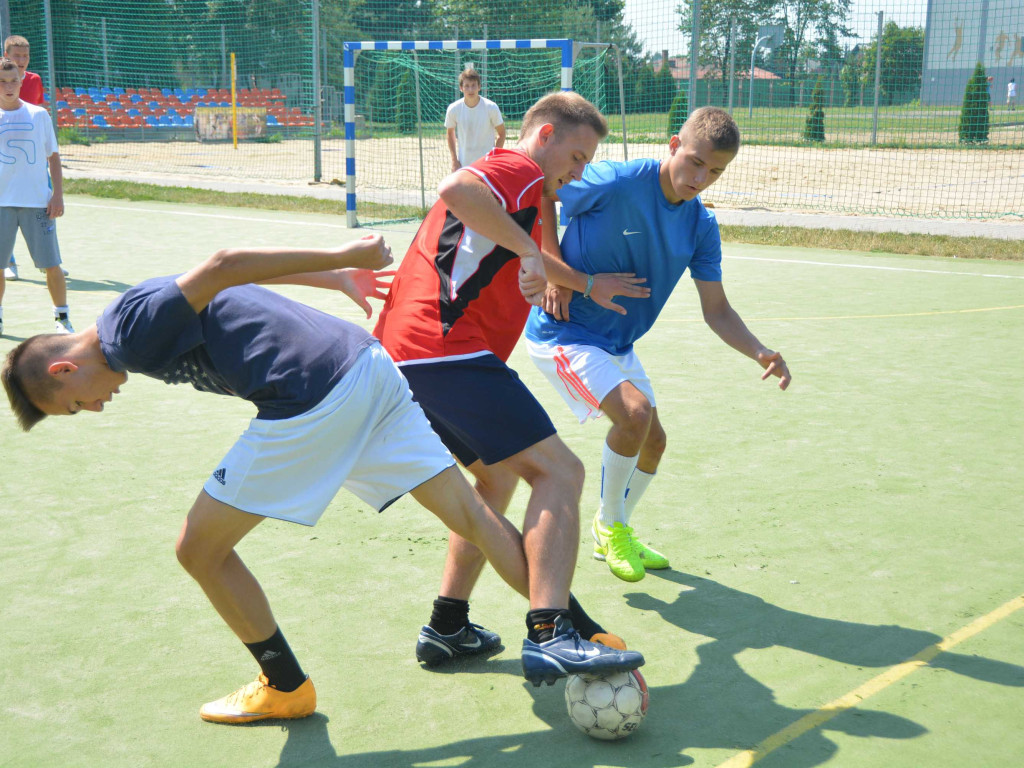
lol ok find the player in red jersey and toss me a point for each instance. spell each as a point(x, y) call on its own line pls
point(455, 310)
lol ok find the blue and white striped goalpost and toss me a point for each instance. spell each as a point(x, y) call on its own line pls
point(350, 50)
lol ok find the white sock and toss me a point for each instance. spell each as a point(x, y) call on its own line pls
point(615, 473)
point(637, 485)
point(58, 311)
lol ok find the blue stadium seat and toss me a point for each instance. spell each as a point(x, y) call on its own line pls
point(167, 92)
point(271, 120)
point(177, 120)
point(119, 91)
point(99, 121)
point(135, 98)
point(164, 120)
point(188, 120)
point(79, 111)
point(81, 92)
point(134, 112)
point(62, 104)
point(201, 93)
point(150, 120)
point(172, 111)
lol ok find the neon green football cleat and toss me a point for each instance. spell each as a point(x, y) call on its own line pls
point(615, 545)
point(652, 559)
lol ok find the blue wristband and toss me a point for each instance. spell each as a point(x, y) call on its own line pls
point(589, 288)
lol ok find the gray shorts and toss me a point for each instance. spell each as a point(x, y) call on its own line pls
point(39, 231)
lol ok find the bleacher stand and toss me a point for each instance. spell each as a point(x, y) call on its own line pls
point(126, 108)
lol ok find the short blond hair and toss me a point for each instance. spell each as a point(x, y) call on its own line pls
point(713, 124)
point(564, 110)
point(15, 41)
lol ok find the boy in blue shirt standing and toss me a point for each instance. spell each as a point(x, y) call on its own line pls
point(643, 217)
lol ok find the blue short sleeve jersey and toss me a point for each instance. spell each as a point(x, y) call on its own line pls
point(249, 342)
point(622, 222)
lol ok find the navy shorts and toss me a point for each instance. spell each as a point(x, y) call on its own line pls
point(478, 407)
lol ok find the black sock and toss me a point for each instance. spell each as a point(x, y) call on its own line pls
point(540, 624)
point(278, 663)
point(585, 625)
point(449, 615)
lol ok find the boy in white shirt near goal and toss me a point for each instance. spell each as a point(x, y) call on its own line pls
point(475, 125)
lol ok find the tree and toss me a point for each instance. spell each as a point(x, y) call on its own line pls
point(902, 60)
point(645, 96)
point(814, 128)
point(665, 88)
point(973, 125)
point(824, 19)
point(678, 113)
point(405, 108)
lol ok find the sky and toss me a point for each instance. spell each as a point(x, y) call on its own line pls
point(656, 21)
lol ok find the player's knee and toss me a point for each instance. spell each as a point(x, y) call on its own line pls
point(656, 441)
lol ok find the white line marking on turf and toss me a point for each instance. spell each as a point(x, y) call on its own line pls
point(870, 688)
point(214, 216)
point(873, 266)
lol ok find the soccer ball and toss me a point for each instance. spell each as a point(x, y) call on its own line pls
point(607, 706)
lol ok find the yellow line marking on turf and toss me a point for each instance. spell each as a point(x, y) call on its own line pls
point(870, 688)
point(857, 317)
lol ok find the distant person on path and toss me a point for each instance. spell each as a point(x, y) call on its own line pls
point(474, 124)
point(1011, 94)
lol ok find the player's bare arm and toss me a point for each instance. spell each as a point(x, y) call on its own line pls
point(499, 136)
point(724, 321)
point(238, 266)
point(452, 149)
point(358, 284)
point(55, 207)
point(471, 201)
point(563, 279)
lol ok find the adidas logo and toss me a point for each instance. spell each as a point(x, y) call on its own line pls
point(219, 476)
point(269, 655)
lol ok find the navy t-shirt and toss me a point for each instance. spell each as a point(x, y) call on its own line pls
point(249, 342)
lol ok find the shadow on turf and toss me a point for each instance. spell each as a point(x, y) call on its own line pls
point(76, 284)
point(719, 706)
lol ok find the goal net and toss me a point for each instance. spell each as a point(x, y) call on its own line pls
point(397, 93)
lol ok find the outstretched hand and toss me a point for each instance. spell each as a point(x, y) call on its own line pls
point(362, 284)
point(774, 365)
point(608, 285)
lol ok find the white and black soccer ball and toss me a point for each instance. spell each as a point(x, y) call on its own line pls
point(609, 706)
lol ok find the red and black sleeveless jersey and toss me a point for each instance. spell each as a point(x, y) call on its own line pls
point(456, 293)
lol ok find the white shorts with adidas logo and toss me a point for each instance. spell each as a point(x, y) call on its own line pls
point(585, 375)
point(367, 435)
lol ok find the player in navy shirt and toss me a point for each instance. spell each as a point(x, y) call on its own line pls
point(644, 218)
point(332, 410)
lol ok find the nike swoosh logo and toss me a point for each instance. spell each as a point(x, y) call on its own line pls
point(627, 233)
point(474, 644)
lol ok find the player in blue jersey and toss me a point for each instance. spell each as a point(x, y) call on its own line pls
point(333, 411)
point(643, 217)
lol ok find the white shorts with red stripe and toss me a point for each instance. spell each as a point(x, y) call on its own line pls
point(585, 375)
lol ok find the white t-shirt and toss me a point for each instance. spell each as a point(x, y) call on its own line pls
point(26, 143)
point(1011, 90)
point(474, 128)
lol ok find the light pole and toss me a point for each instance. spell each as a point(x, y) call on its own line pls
point(753, 53)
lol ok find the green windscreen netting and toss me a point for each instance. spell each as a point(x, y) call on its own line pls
point(870, 107)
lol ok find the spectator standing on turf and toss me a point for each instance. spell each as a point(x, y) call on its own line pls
point(1011, 94)
point(16, 48)
point(645, 217)
point(455, 311)
point(333, 410)
point(474, 124)
point(27, 200)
